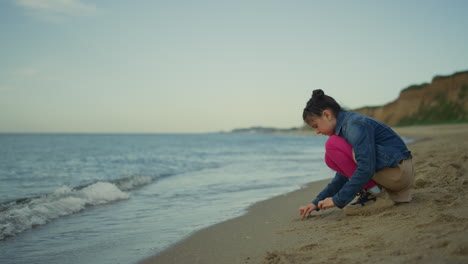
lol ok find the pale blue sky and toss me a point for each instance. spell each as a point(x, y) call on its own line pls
point(205, 66)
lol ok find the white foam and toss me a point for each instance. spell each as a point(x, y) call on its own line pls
point(63, 201)
point(63, 190)
point(103, 192)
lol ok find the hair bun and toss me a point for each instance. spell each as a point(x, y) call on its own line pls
point(318, 94)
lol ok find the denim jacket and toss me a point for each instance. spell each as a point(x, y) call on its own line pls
point(375, 145)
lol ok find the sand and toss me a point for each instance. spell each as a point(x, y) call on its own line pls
point(433, 228)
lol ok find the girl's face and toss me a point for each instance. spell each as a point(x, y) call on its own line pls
point(324, 124)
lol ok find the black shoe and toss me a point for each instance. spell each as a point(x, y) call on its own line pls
point(368, 203)
point(365, 197)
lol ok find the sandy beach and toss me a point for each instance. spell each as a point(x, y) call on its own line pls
point(433, 228)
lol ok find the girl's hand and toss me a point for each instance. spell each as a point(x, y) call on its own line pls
point(306, 210)
point(327, 203)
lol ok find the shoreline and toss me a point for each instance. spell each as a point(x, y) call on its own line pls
point(433, 228)
point(241, 234)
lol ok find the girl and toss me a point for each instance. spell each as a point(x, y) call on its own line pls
point(366, 155)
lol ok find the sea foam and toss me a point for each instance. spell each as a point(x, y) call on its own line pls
point(19, 215)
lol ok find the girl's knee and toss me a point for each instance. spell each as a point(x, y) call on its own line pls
point(337, 142)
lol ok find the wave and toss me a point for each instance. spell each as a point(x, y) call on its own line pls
point(25, 213)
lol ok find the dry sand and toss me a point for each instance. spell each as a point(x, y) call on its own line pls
point(433, 228)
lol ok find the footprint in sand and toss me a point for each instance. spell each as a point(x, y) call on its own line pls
point(447, 199)
point(308, 247)
point(459, 248)
point(422, 183)
point(444, 219)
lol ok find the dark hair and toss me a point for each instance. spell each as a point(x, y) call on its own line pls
point(320, 102)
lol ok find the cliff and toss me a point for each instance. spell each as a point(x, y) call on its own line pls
point(444, 100)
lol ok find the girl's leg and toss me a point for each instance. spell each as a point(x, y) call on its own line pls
point(397, 181)
point(339, 157)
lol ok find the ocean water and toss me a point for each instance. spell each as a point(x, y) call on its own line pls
point(97, 198)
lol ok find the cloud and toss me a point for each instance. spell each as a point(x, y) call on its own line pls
point(56, 10)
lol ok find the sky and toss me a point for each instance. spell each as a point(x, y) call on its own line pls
point(148, 66)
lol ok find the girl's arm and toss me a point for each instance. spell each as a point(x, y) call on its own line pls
point(332, 188)
point(361, 137)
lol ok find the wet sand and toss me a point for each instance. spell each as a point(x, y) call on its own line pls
point(433, 228)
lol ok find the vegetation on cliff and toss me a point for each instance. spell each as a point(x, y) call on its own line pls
point(444, 111)
point(444, 100)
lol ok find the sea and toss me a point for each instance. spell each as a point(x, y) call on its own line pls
point(120, 198)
